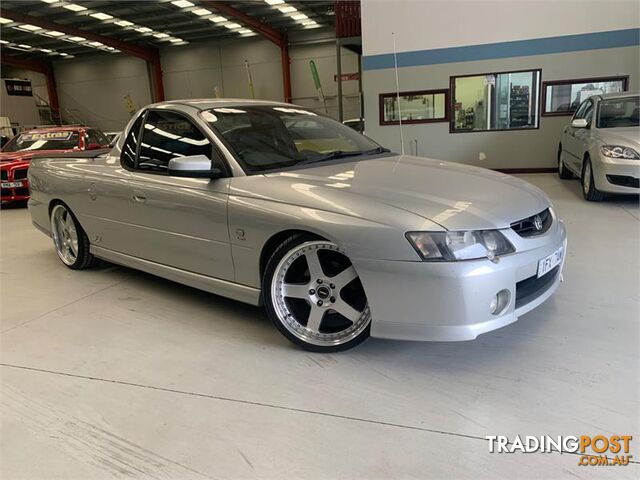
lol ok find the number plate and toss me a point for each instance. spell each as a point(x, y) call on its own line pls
point(548, 263)
point(11, 184)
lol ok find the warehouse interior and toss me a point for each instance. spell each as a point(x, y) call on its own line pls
point(114, 372)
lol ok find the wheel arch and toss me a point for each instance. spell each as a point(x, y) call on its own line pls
point(276, 239)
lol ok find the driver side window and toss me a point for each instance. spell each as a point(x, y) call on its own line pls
point(167, 135)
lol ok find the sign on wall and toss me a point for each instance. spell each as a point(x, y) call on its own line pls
point(19, 88)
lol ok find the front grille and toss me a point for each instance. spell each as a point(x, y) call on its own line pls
point(528, 227)
point(5, 192)
point(531, 288)
point(22, 191)
point(20, 174)
point(3, 174)
point(624, 181)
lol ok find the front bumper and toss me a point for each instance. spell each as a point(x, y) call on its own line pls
point(613, 175)
point(449, 301)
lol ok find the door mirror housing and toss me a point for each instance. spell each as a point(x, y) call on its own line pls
point(194, 166)
point(579, 123)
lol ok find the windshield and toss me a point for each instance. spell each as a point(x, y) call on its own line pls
point(64, 140)
point(619, 112)
point(272, 137)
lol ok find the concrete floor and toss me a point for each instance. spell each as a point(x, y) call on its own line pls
point(115, 373)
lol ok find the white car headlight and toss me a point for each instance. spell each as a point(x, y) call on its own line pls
point(465, 245)
point(619, 151)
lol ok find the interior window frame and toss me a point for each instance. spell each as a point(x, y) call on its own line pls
point(214, 148)
point(383, 96)
point(571, 81)
point(452, 89)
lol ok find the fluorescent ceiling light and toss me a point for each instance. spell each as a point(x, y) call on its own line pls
point(101, 16)
point(4, 42)
point(50, 1)
point(123, 23)
point(288, 9)
point(299, 16)
point(5, 20)
point(96, 44)
point(28, 28)
point(312, 26)
point(143, 30)
point(74, 7)
point(218, 19)
point(252, 34)
point(53, 33)
point(274, 2)
point(76, 39)
point(175, 40)
point(201, 11)
point(46, 50)
point(161, 35)
point(63, 54)
point(183, 3)
point(232, 25)
point(22, 45)
point(309, 22)
point(245, 30)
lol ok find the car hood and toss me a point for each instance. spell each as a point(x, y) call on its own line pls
point(623, 136)
point(453, 195)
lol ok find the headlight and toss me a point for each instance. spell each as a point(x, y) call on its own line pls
point(452, 246)
point(619, 151)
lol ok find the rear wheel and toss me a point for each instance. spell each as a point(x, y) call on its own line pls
point(589, 190)
point(69, 239)
point(314, 295)
point(563, 172)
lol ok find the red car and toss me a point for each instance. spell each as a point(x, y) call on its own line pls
point(18, 152)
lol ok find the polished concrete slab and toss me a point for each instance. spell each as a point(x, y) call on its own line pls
point(115, 373)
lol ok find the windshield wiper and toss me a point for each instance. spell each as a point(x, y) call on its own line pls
point(342, 154)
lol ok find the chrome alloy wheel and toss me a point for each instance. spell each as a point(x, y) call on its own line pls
point(586, 178)
point(318, 296)
point(65, 235)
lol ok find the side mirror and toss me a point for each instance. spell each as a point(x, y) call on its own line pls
point(579, 123)
point(194, 166)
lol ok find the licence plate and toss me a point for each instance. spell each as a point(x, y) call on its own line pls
point(11, 184)
point(548, 263)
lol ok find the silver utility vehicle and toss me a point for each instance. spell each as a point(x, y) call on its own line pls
point(601, 145)
point(339, 238)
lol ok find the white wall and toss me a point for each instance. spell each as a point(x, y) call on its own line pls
point(430, 24)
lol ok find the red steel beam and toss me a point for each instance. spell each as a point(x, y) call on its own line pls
point(40, 67)
point(266, 31)
point(148, 54)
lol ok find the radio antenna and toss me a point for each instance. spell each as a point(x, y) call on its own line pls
point(395, 62)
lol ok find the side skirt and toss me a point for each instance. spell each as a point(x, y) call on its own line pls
point(242, 293)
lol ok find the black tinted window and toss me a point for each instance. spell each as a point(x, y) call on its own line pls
point(97, 137)
point(128, 156)
point(167, 135)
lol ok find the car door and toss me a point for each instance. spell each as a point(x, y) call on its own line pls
point(176, 221)
point(575, 137)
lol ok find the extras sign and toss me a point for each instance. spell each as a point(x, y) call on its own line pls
point(594, 450)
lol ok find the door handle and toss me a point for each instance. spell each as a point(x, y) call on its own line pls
point(139, 196)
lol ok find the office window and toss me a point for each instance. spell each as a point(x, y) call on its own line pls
point(416, 107)
point(562, 97)
point(495, 101)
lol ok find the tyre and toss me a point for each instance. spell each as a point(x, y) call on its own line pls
point(563, 172)
point(314, 296)
point(589, 190)
point(69, 239)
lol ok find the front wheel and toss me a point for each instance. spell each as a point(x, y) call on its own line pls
point(589, 190)
point(69, 239)
point(314, 296)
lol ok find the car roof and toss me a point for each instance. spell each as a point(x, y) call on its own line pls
point(207, 103)
point(606, 96)
point(53, 129)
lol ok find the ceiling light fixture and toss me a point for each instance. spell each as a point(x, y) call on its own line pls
point(161, 35)
point(3, 42)
point(218, 19)
point(28, 28)
point(143, 30)
point(201, 12)
point(287, 9)
point(96, 44)
point(274, 2)
point(52, 33)
point(232, 25)
point(182, 3)
point(4, 21)
point(46, 50)
point(245, 30)
point(299, 16)
point(22, 45)
point(74, 7)
point(101, 16)
point(312, 26)
point(50, 1)
point(76, 39)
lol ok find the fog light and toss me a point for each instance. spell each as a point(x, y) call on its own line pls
point(500, 302)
